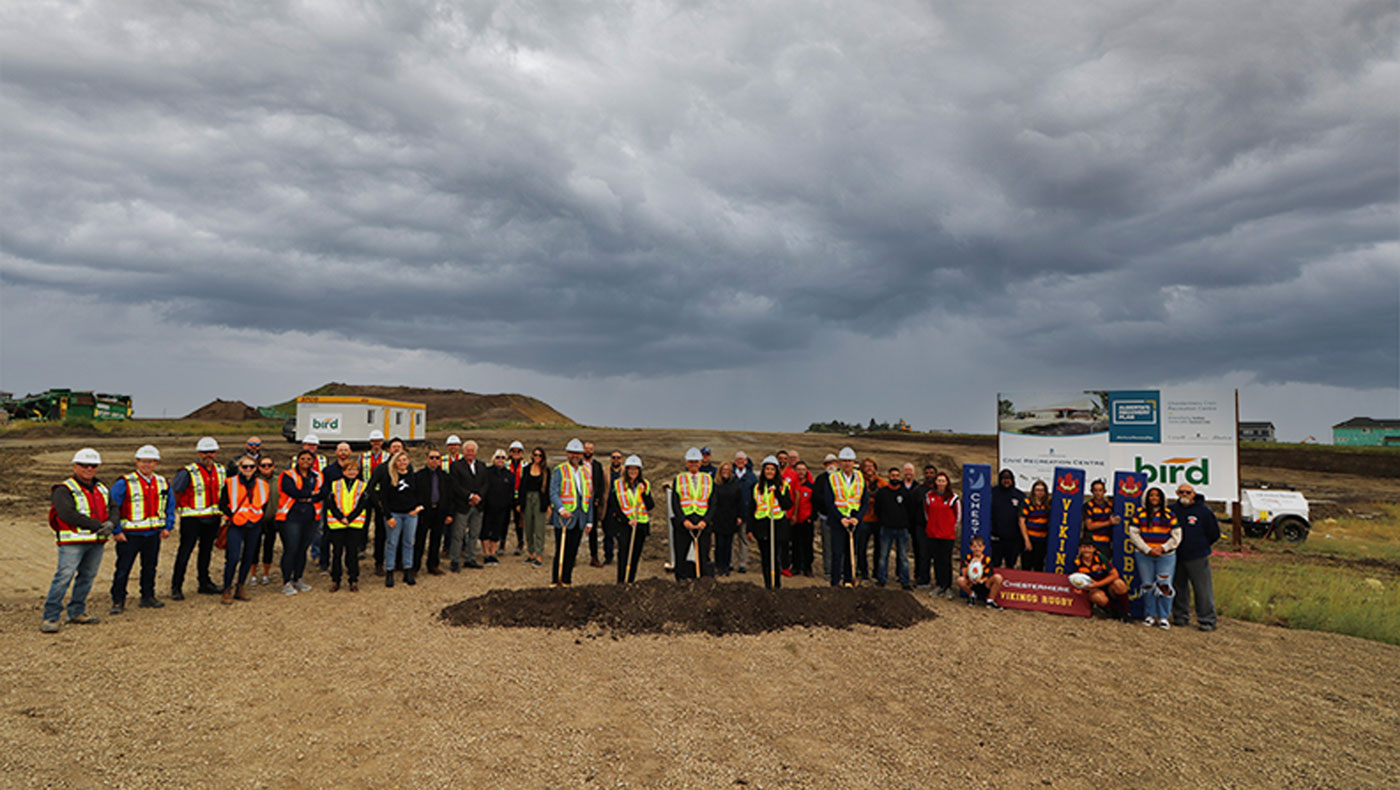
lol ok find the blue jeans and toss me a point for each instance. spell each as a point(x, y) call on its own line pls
point(241, 551)
point(402, 535)
point(1153, 573)
point(74, 559)
point(296, 536)
point(900, 538)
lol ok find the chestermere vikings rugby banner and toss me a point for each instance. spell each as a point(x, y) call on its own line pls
point(1169, 436)
point(976, 506)
point(1066, 517)
point(1128, 491)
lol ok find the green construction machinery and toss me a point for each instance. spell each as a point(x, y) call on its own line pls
point(60, 404)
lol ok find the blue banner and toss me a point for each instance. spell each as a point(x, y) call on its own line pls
point(1135, 416)
point(976, 506)
point(1066, 517)
point(1128, 488)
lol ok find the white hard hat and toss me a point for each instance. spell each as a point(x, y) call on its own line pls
point(829, 459)
point(311, 438)
point(574, 446)
point(148, 452)
point(847, 454)
point(87, 455)
point(516, 445)
point(769, 459)
point(207, 445)
point(633, 460)
point(693, 454)
point(376, 434)
point(453, 439)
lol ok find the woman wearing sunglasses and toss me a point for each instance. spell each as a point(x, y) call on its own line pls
point(267, 470)
point(534, 506)
point(243, 502)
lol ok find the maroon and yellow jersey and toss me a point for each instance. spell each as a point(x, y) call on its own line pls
point(1099, 511)
point(1037, 519)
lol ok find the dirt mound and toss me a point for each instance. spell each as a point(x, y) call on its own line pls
point(660, 606)
point(457, 405)
point(224, 410)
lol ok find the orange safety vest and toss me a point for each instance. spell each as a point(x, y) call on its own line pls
point(847, 493)
point(767, 502)
point(630, 498)
point(569, 497)
point(201, 498)
point(346, 498)
point(247, 506)
point(694, 492)
point(144, 506)
point(92, 504)
point(284, 502)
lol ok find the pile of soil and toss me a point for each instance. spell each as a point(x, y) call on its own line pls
point(458, 405)
point(661, 606)
point(224, 410)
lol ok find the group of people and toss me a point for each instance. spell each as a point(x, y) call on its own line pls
point(460, 509)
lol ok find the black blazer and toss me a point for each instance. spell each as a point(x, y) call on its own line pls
point(466, 482)
point(447, 502)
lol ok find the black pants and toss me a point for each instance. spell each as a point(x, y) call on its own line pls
point(345, 551)
point(562, 569)
point(269, 540)
point(200, 530)
point(919, 540)
point(863, 544)
point(1034, 560)
point(724, 552)
point(147, 547)
point(1005, 551)
point(940, 550)
point(685, 567)
point(380, 530)
point(800, 551)
point(772, 566)
point(628, 554)
point(519, 518)
point(429, 538)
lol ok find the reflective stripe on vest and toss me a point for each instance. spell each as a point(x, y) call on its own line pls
point(246, 508)
point(202, 497)
point(346, 499)
point(369, 461)
point(630, 498)
point(694, 492)
point(571, 492)
point(847, 493)
point(767, 502)
point(143, 508)
point(92, 504)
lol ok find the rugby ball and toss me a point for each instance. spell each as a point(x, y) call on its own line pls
point(974, 570)
point(1080, 580)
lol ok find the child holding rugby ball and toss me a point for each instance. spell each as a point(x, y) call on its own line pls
point(978, 577)
point(1100, 580)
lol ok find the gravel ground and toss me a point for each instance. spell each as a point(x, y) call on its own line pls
point(372, 688)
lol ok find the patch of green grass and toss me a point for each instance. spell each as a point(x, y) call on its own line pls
point(1347, 537)
point(1339, 599)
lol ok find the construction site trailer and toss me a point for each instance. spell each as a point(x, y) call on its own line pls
point(350, 418)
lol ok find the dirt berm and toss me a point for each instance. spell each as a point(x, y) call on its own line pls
point(454, 405)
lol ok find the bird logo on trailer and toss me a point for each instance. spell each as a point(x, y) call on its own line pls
point(325, 423)
point(1130, 488)
point(1175, 470)
point(1067, 484)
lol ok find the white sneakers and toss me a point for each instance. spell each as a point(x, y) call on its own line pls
point(1149, 621)
point(302, 586)
point(289, 589)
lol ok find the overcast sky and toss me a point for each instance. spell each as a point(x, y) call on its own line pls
point(692, 214)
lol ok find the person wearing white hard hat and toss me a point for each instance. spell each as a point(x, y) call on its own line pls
point(846, 504)
point(692, 498)
point(143, 521)
point(768, 523)
point(82, 520)
point(571, 502)
point(194, 497)
point(516, 464)
point(452, 453)
point(629, 509)
point(469, 485)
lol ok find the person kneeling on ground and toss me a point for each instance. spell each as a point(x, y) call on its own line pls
point(977, 578)
point(1106, 581)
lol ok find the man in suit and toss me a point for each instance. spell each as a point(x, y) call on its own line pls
point(468, 476)
point(435, 484)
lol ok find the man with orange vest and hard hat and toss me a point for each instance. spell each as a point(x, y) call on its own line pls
point(139, 501)
point(691, 499)
point(194, 496)
point(242, 501)
point(571, 500)
point(299, 495)
point(82, 520)
point(846, 504)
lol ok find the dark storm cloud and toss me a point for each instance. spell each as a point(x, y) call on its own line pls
point(600, 188)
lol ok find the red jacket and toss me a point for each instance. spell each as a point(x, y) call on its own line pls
point(942, 516)
point(801, 490)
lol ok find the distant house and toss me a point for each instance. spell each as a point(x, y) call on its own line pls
point(1366, 432)
point(1256, 432)
point(1077, 409)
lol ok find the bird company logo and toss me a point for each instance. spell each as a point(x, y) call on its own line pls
point(1174, 470)
point(325, 423)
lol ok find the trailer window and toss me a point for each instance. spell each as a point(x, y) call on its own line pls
point(418, 418)
point(398, 418)
point(369, 416)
